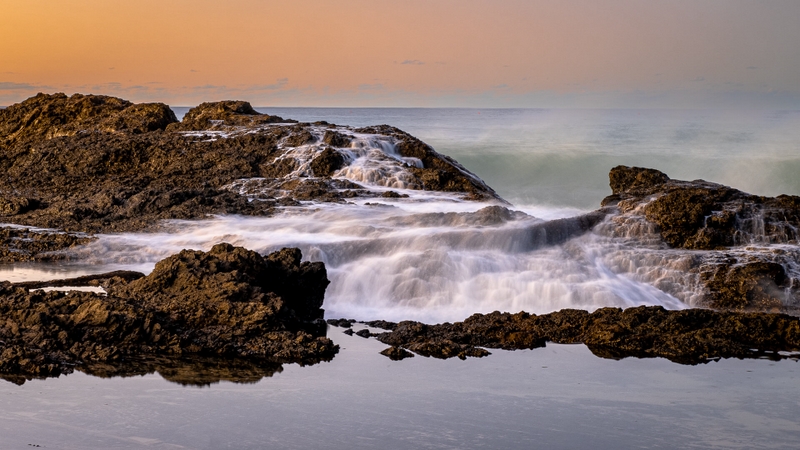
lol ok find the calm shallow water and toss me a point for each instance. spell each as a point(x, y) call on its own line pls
point(558, 397)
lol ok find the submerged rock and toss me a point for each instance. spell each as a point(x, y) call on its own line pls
point(689, 336)
point(228, 302)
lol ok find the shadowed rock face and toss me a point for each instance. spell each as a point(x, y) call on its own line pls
point(228, 302)
point(688, 336)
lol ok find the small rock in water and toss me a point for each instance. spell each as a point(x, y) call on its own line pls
point(364, 333)
point(397, 353)
point(343, 323)
point(382, 324)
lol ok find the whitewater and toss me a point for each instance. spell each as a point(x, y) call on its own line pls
point(434, 257)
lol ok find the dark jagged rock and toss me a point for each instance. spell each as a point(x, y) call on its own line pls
point(739, 269)
point(397, 353)
point(23, 244)
point(224, 114)
point(335, 139)
point(689, 336)
point(102, 164)
point(327, 162)
point(703, 215)
point(393, 194)
point(48, 116)
point(382, 324)
point(438, 172)
point(363, 333)
point(749, 283)
point(102, 279)
point(343, 323)
point(487, 216)
point(228, 302)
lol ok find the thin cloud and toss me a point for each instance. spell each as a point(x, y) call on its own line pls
point(10, 86)
point(279, 84)
point(700, 79)
point(752, 67)
point(412, 62)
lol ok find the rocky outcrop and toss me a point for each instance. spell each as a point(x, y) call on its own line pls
point(438, 172)
point(23, 244)
point(731, 235)
point(702, 215)
point(224, 115)
point(228, 302)
point(88, 163)
point(689, 336)
point(49, 116)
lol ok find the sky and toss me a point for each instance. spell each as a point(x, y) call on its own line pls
point(420, 53)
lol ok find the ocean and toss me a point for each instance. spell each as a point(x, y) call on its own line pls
point(405, 259)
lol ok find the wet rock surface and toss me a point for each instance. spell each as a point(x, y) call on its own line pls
point(701, 215)
point(397, 353)
point(224, 115)
point(691, 336)
point(91, 163)
point(24, 244)
point(229, 302)
point(745, 247)
point(87, 164)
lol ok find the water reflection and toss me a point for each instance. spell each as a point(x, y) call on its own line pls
point(195, 371)
point(190, 371)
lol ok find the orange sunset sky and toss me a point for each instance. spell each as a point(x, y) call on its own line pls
point(500, 53)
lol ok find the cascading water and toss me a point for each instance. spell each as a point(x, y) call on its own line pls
point(430, 259)
point(433, 256)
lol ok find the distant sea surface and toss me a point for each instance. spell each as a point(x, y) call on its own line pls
point(561, 157)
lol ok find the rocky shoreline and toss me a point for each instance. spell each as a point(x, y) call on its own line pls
point(229, 302)
point(92, 164)
point(81, 165)
point(690, 336)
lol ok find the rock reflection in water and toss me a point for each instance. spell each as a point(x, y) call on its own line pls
point(191, 371)
point(186, 371)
